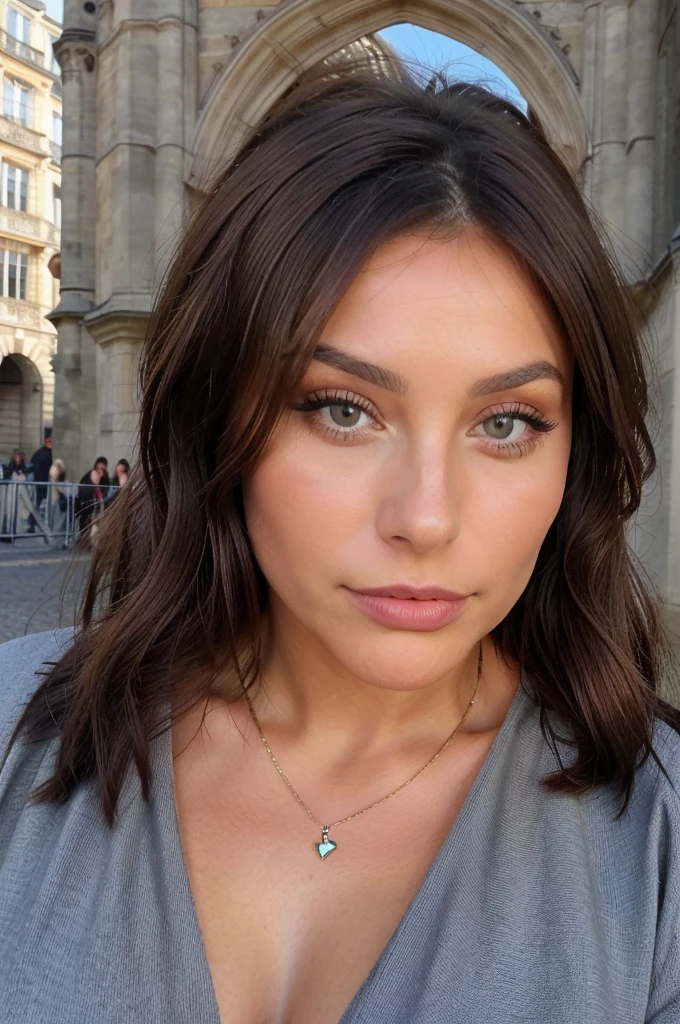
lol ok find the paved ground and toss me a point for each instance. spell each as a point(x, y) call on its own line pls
point(38, 587)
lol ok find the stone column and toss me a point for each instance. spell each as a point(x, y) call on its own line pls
point(672, 467)
point(610, 147)
point(74, 363)
point(146, 112)
point(642, 97)
point(169, 169)
point(589, 86)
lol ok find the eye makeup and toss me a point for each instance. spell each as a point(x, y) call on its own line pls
point(326, 409)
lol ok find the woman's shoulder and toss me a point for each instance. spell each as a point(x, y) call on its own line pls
point(21, 662)
point(664, 780)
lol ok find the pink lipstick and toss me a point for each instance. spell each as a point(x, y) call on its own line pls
point(401, 606)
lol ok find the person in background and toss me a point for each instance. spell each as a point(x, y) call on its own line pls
point(121, 472)
point(91, 493)
point(120, 478)
point(57, 473)
point(40, 463)
point(103, 463)
point(59, 503)
point(16, 468)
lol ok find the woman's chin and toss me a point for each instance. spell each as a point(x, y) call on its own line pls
point(413, 666)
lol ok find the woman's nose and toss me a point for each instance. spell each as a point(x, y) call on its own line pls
point(420, 504)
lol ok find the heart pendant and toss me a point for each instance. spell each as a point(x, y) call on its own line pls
point(326, 845)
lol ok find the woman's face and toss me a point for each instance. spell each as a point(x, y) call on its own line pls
point(437, 458)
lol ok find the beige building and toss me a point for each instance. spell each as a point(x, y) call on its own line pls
point(157, 93)
point(30, 219)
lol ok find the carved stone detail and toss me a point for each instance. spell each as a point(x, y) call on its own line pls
point(16, 311)
point(22, 137)
point(18, 222)
point(75, 58)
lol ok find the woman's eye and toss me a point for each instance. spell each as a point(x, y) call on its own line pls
point(503, 426)
point(343, 415)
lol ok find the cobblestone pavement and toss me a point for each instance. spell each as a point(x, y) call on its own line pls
point(39, 587)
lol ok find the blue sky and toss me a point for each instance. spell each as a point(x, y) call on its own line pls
point(436, 51)
point(55, 9)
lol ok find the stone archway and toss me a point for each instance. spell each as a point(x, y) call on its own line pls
point(20, 405)
point(300, 33)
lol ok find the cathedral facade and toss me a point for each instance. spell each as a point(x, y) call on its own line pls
point(157, 93)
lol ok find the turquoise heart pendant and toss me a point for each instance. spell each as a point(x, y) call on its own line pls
point(326, 845)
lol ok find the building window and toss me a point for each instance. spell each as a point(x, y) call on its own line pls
point(56, 128)
point(18, 26)
point(56, 204)
point(13, 274)
point(16, 100)
point(14, 187)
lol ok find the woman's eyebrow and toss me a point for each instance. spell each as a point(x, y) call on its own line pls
point(540, 370)
point(359, 368)
point(391, 381)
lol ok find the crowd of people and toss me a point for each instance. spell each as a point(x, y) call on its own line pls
point(94, 492)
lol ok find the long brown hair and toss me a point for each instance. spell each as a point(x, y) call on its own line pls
point(174, 595)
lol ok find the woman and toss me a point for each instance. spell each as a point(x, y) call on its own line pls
point(362, 720)
point(58, 498)
point(120, 475)
point(120, 478)
point(16, 468)
point(90, 499)
point(16, 471)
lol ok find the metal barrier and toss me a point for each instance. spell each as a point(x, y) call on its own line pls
point(57, 512)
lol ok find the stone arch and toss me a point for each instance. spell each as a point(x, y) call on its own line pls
point(21, 403)
point(300, 33)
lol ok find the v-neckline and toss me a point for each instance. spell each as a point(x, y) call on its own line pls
point(187, 907)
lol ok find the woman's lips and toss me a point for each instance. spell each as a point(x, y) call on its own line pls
point(415, 608)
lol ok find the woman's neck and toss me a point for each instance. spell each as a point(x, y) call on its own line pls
point(317, 703)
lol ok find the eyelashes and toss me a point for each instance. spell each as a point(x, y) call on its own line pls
point(538, 426)
point(344, 406)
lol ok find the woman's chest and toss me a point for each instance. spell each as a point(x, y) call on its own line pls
point(289, 937)
point(529, 914)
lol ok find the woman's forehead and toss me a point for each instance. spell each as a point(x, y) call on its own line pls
point(464, 299)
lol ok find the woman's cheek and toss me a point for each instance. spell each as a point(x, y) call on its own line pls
point(298, 510)
point(513, 512)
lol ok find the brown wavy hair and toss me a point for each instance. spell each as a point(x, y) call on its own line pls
point(174, 596)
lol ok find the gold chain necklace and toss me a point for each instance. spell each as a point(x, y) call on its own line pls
point(327, 845)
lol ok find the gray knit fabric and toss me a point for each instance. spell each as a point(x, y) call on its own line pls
point(539, 909)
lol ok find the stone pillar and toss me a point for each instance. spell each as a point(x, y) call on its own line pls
point(589, 87)
point(146, 112)
point(177, 73)
point(610, 146)
point(74, 363)
point(642, 97)
point(672, 412)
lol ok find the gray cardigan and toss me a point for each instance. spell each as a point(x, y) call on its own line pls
point(538, 909)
